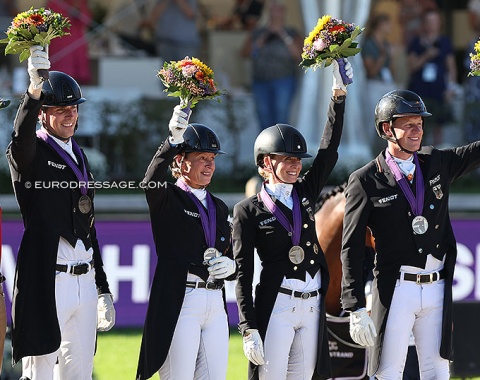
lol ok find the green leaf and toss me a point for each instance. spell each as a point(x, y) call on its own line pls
point(24, 55)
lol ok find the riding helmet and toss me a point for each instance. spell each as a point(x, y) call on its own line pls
point(398, 103)
point(281, 139)
point(200, 138)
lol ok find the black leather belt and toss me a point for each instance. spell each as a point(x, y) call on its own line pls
point(76, 269)
point(423, 278)
point(302, 295)
point(209, 285)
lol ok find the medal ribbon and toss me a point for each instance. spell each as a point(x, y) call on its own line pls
point(416, 204)
point(82, 176)
point(296, 229)
point(208, 218)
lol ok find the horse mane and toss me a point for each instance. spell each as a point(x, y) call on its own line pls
point(327, 195)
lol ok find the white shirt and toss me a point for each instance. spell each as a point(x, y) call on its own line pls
point(407, 167)
point(281, 191)
point(66, 146)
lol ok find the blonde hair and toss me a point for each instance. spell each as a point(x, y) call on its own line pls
point(176, 167)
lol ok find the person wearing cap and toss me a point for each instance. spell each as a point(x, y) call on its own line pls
point(284, 326)
point(60, 284)
point(402, 197)
point(186, 331)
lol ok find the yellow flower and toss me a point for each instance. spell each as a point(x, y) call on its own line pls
point(477, 46)
point(320, 25)
point(203, 67)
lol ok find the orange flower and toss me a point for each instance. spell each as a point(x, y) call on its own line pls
point(337, 28)
point(35, 19)
point(212, 84)
point(199, 75)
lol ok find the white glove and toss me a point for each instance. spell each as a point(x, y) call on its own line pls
point(38, 60)
point(342, 74)
point(362, 329)
point(221, 267)
point(253, 347)
point(105, 312)
point(178, 124)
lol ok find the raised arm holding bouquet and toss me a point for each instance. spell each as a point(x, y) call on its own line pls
point(35, 27)
point(331, 39)
point(192, 235)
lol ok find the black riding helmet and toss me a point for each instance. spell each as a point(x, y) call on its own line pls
point(200, 138)
point(61, 90)
point(281, 139)
point(398, 103)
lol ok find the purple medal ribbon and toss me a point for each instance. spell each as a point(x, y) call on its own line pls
point(416, 204)
point(296, 229)
point(209, 221)
point(82, 176)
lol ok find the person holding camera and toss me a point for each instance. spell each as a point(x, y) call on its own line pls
point(274, 49)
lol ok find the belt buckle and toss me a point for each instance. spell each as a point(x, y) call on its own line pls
point(82, 269)
point(305, 295)
point(210, 285)
point(419, 279)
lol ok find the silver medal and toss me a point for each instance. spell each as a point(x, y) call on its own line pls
point(296, 254)
point(419, 225)
point(84, 204)
point(209, 254)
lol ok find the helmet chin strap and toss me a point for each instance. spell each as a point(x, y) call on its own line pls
point(275, 174)
point(396, 141)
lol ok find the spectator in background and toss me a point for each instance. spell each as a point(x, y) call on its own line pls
point(70, 54)
point(433, 73)
point(411, 17)
point(377, 60)
point(472, 83)
point(176, 32)
point(275, 51)
point(245, 15)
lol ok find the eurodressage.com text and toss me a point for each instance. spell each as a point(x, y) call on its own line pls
point(94, 185)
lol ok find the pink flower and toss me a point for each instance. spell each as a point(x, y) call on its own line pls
point(319, 45)
point(189, 70)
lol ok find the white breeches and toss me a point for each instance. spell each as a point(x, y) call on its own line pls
point(291, 339)
point(199, 348)
point(76, 301)
point(416, 308)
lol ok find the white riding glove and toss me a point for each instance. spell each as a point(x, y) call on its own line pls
point(105, 312)
point(342, 73)
point(221, 267)
point(38, 60)
point(253, 347)
point(178, 124)
point(362, 329)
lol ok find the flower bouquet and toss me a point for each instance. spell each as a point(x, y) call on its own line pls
point(330, 39)
point(190, 80)
point(34, 27)
point(475, 61)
